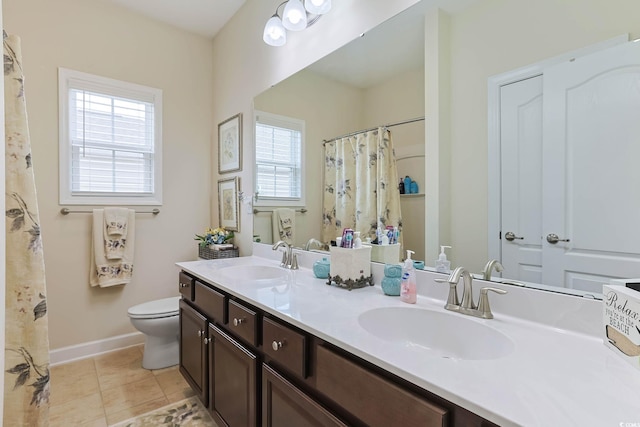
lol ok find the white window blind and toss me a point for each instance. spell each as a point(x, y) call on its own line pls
point(279, 158)
point(110, 140)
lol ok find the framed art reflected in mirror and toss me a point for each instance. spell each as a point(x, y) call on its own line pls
point(228, 206)
point(230, 144)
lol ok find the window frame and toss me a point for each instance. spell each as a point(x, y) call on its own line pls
point(71, 79)
point(281, 120)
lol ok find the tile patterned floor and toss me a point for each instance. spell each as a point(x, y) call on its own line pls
point(110, 388)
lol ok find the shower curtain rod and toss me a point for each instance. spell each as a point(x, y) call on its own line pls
point(404, 122)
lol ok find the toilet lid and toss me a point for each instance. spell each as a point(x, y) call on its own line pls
point(159, 308)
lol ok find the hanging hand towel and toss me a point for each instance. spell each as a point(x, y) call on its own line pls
point(109, 272)
point(115, 232)
point(284, 224)
point(115, 220)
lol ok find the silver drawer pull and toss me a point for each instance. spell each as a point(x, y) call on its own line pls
point(277, 345)
point(237, 322)
point(207, 340)
point(200, 333)
point(184, 285)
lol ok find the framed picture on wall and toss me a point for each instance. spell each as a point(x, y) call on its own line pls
point(228, 205)
point(230, 144)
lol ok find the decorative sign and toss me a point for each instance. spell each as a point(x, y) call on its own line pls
point(621, 315)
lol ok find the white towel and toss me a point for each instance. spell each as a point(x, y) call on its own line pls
point(115, 232)
point(115, 220)
point(105, 272)
point(284, 225)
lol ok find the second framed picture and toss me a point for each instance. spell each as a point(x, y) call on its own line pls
point(228, 206)
point(230, 144)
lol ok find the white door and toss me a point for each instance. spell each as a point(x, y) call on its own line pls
point(591, 169)
point(521, 179)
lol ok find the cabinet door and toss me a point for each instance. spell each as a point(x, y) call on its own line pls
point(233, 381)
point(193, 350)
point(285, 405)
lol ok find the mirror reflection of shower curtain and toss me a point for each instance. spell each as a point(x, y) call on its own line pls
point(360, 185)
point(26, 392)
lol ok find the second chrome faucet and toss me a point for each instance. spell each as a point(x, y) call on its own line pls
point(289, 258)
point(467, 305)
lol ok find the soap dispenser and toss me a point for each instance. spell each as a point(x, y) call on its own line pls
point(442, 263)
point(408, 289)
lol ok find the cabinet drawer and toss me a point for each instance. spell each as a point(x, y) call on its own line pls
point(371, 398)
point(211, 302)
point(243, 322)
point(283, 404)
point(285, 346)
point(186, 285)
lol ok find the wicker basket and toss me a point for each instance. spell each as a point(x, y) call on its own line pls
point(206, 252)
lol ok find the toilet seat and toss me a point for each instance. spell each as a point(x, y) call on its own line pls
point(165, 307)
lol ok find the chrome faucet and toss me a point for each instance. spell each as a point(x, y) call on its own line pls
point(488, 268)
point(467, 306)
point(313, 241)
point(289, 258)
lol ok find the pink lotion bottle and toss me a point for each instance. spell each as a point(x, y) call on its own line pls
point(408, 289)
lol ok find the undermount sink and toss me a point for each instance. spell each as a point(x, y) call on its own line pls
point(254, 273)
point(447, 335)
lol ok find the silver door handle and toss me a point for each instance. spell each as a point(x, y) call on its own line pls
point(510, 236)
point(553, 239)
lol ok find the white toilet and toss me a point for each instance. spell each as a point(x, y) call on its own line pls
point(158, 320)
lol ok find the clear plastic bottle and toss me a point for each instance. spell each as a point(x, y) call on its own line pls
point(408, 288)
point(443, 265)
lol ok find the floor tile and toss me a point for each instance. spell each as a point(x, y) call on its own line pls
point(83, 411)
point(172, 382)
point(72, 381)
point(126, 396)
point(118, 357)
point(136, 410)
point(123, 369)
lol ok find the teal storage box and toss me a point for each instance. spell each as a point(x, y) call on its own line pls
point(391, 286)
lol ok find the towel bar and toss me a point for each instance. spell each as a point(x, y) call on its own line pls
point(255, 211)
point(67, 211)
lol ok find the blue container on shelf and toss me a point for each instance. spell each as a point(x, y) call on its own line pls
point(321, 268)
point(414, 187)
point(407, 184)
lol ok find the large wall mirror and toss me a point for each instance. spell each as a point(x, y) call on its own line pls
point(385, 77)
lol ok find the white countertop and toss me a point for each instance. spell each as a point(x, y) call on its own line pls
point(558, 374)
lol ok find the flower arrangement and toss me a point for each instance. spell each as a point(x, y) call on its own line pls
point(214, 236)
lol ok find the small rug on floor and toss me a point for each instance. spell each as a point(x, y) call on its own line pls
point(188, 412)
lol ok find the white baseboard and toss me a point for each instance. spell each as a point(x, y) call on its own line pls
point(93, 348)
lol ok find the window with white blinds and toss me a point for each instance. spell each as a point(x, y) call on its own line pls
point(110, 145)
point(279, 154)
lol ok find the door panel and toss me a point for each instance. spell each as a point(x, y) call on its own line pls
point(591, 148)
point(521, 180)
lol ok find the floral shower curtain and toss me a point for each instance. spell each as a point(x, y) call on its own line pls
point(360, 188)
point(26, 393)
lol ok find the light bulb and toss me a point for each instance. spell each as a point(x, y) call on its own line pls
point(294, 16)
point(317, 7)
point(274, 32)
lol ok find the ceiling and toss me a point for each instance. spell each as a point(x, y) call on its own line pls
point(204, 17)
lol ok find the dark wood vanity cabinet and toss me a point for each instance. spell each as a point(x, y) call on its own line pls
point(283, 404)
point(232, 381)
point(251, 369)
point(193, 350)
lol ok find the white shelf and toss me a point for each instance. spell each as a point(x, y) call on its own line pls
point(412, 195)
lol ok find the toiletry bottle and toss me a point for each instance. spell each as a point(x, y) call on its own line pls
point(442, 263)
point(408, 289)
point(357, 242)
point(407, 184)
point(401, 186)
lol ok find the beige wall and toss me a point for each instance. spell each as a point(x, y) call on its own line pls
point(493, 37)
point(98, 37)
point(244, 67)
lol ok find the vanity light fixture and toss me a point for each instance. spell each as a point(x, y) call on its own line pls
point(295, 17)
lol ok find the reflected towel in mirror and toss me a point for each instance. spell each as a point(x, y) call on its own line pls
point(284, 225)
